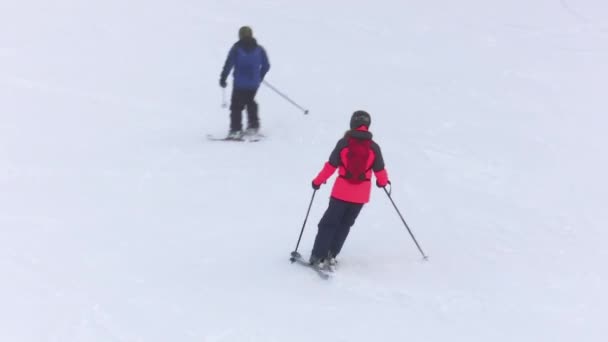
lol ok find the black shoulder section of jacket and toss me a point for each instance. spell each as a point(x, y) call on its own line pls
point(379, 160)
point(334, 157)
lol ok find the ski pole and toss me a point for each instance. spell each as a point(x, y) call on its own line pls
point(295, 253)
point(285, 97)
point(424, 256)
point(224, 103)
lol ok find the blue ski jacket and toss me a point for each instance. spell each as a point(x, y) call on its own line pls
point(250, 63)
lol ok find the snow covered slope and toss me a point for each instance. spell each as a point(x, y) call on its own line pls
point(120, 222)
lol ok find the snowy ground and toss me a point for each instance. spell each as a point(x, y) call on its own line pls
point(119, 222)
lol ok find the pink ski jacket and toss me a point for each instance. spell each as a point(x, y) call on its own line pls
point(343, 189)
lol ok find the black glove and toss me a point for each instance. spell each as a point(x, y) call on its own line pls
point(314, 186)
point(223, 83)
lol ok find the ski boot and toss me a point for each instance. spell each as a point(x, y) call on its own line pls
point(331, 262)
point(317, 262)
point(234, 135)
point(252, 131)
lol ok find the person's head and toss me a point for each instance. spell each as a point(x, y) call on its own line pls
point(360, 118)
point(245, 32)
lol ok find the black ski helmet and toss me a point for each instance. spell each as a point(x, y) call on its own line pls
point(360, 118)
point(245, 32)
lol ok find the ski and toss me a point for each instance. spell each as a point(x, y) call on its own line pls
point(215, 138)
point(244, 138)
point(253, 137)
point(322, 272)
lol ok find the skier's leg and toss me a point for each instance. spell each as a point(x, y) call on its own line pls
point(346, 222)
point(237, 105)
point(253, 120)
point(328, 225)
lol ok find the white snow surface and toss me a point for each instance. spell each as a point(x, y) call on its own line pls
point(120, 222)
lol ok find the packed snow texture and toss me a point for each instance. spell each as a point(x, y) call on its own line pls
point(120, 222)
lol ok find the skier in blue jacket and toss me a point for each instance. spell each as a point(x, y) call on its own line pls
point(250, 63)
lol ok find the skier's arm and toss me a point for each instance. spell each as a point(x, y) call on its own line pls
point(324, 175)
point(331, 165)
point(265, 63)
point(228, 65)
point(378, 167)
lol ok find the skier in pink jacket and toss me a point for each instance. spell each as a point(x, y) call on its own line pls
point(356, 156)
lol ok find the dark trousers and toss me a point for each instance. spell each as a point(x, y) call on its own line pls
point(241, 99)
point(334, 227)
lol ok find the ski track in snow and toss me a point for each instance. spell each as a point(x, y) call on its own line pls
point(571, 10)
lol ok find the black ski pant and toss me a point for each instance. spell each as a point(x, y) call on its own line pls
point(241, 99)
point(334, 227)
